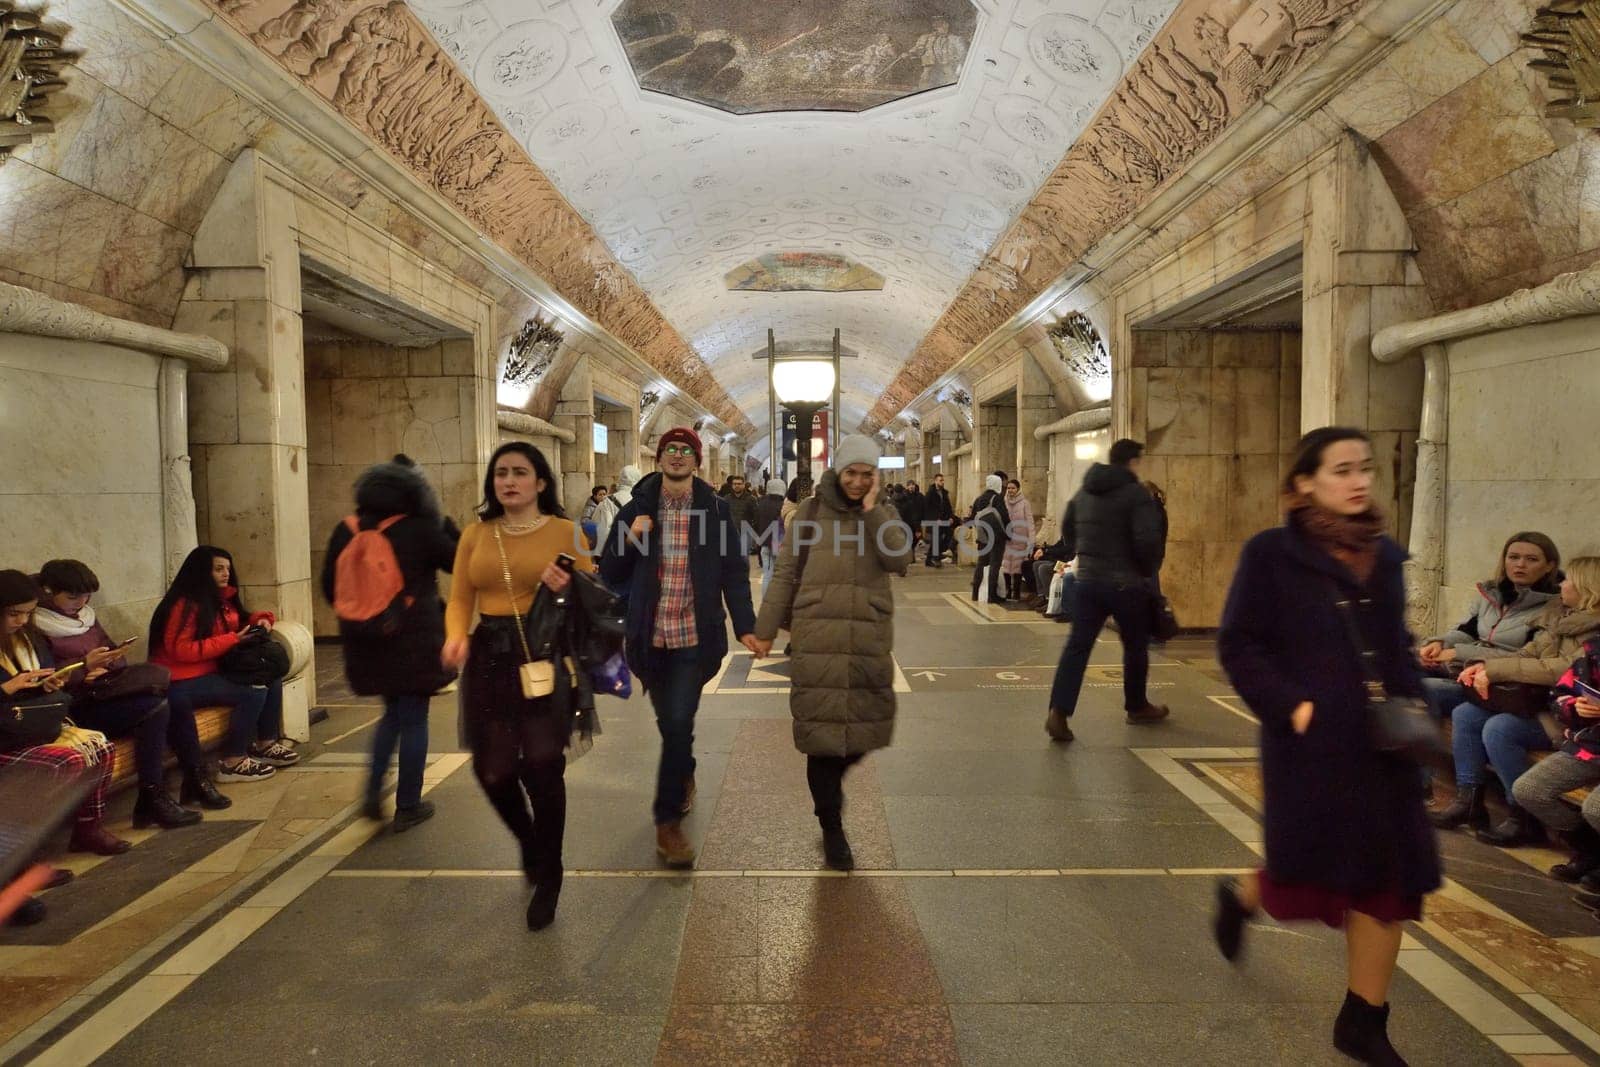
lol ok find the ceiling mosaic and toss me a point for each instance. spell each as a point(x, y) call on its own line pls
point(797, 272)
point(807, 55)
point(683, 193)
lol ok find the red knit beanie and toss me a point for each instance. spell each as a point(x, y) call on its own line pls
point(680, 435)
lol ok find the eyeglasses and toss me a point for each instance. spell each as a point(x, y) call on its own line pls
point(677, 450)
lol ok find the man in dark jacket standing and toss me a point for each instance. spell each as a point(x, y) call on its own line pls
point(742, 502)
point(676, 553)
point(1114, 529)
point(912, 507)
point(937, 515)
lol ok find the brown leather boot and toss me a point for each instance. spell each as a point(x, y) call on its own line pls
point(673, 847)
point(92, 837)
point(1055, 724)
point(1148, 714)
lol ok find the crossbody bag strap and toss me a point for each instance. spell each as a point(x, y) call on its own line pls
point(511, 591)
point(1376, 690)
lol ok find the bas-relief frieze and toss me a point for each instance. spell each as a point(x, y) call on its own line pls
point(1215, 59)
point(378, 66)
point(31, 61)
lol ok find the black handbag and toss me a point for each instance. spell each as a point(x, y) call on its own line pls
point(134, 680)
point(1398, 725)
point(1522, 699)
point(36, 719)
point(259, 662)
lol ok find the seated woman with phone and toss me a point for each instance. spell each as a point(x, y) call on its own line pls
point(1576, 765)
point(122, 701)
point(199, 621)
point(28, 676)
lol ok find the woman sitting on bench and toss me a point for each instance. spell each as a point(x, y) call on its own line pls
point(198, 622)
point(1576, 700)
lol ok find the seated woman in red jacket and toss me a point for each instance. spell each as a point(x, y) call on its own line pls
point(200, 620)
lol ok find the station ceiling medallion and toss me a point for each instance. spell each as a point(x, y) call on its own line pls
point(31, 58)
point(802, 55)
point(796, 272)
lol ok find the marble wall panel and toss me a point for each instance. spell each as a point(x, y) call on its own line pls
point(117, 534)
point(1179, 410)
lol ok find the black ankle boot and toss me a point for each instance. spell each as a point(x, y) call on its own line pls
point(1585, 844)
point(155, 808)
point(199, 789)
point(1518, 828)
point(1362, 1033)
point(1467, 809)
point(836, 847)
point(546, 889)
point(1228, 925)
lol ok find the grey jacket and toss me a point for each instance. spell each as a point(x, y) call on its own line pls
point(1496, 627)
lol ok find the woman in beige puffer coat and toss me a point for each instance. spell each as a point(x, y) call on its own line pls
point(842, 627)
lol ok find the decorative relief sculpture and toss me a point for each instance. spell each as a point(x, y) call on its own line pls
point(31, 58)
point(380, 68)
point(532, 352)
point(647, 404)
point(1568, 32)
point(1080, 347)
point(1214, 59)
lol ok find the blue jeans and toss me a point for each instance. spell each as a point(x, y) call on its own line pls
point(675, 697)
point(404, 722)
point(257, 709)
point(1442, 695)
point(1093, 603)
point(768, 561)
point(1503, 741)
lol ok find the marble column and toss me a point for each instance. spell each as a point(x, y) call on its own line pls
point(247, 423)
point(575, 414)
point(1036, 407)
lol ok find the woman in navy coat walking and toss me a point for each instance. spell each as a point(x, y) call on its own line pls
point(1347, 837)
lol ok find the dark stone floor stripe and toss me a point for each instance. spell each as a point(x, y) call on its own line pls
point(800, 969)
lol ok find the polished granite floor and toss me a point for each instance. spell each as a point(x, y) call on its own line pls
point(1016, 902)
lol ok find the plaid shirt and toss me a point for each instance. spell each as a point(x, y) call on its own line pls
point(675, 610)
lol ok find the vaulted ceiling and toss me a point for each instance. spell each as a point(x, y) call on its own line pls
point(683, 190)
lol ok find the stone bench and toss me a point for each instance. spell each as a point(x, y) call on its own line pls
point(212, 724)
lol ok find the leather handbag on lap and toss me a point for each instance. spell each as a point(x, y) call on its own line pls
point(1522, 699)
point(35, 719)
point(1398, 725)
point(136, 679)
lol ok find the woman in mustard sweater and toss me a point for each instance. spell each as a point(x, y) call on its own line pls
point(518, 744)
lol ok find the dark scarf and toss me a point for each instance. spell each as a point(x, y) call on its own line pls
point(1351, 539)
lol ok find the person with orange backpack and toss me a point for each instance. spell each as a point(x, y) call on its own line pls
point(380, 577)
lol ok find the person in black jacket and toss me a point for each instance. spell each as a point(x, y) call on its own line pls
point(991, 517)
point(674, 552)
point(1347, 837)
point(912, 507)
point(1114, 529)
point(937, 515)
point(769, 529)
point(402, 667)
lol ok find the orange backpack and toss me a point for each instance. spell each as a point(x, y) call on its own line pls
point(368, 585)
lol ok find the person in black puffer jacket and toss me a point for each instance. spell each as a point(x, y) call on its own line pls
point(1115, 530)
point(402, 667)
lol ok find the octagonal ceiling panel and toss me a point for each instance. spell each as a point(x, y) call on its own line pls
point(805, 55)
point(685, 193)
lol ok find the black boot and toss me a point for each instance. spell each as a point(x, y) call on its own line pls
point(1585, 844)
point(1467, 809)
point(155, 808)
point(199, 789)
point(1518, 828)
point(1362, 1033)
point(1228, 925)
point(547, 793)
point(836, 848)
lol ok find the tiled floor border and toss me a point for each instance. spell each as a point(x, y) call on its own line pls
point(1456, 990)
point(315, 856)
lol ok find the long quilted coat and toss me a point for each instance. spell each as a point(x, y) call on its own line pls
point(842, 629)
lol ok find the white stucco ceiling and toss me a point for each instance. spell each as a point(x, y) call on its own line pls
point(682, 193)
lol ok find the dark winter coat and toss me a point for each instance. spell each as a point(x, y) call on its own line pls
point(842, 612)
point(718, 572)
point(989, 511)
point(743, 508)
point(424, 543)
point(912, 508)
point(1338, 814)
point(1114, 527)
point(936, 505)
point(769, 521)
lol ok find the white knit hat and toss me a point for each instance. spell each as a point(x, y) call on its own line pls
point(855, 448)
point(775, 487)
point(994, 484)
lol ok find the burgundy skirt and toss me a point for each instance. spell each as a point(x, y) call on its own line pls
point(1292, 903)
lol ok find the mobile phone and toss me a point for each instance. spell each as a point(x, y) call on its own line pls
point(565, 561)
point(1585, 689)
point(61, 673)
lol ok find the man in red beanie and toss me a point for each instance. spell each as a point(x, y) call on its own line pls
point(676, 553)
